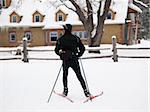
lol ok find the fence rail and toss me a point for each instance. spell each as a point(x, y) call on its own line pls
point(114, 52)
point(10, 58)
point(141, 57)
point(8, 51)
point(92, 57)
point(140, 48)
point(36, 50)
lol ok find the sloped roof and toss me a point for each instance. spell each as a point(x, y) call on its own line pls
point(26, 8)
point(134, 7)
point(140, 2)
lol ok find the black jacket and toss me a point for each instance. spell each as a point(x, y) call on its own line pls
point(69, 46)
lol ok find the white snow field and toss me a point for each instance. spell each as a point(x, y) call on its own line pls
point(25, 87)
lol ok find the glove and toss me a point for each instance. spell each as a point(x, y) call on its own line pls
point(78, 55)
point(61, 51)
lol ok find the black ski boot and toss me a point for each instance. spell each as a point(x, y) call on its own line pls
point(87, 93)
point(65, 92)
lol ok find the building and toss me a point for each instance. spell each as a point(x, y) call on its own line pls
point(41, 22)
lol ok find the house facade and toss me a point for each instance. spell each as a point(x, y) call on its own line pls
point(41, 22)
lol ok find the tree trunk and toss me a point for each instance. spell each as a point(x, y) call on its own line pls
point(86, 17)
point(96, 41)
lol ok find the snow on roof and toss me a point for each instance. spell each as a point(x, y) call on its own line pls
point(121, 8)
point(132, 6)
point(26, 8)
point(140, 2)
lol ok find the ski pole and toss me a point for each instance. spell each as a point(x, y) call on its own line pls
point(54, 85)
point(84, 75)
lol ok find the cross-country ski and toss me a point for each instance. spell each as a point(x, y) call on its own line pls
point(90, 98)
point(62, 95)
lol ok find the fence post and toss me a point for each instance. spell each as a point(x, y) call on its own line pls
point(25, 52)
point(114, 49)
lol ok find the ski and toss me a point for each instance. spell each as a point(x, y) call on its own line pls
point(60, 94)
point(93, 97)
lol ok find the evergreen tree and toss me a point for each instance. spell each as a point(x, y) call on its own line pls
point(145, 32)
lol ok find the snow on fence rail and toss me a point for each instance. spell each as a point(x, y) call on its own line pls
point(114, 52)
point(131, 49)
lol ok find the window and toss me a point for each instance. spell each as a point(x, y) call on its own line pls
point(75, 33)
point(85, 35)
point(37, 18)
point(53, 36)
point(80, 34)
point(28, 35)
point(3, 3)
point(12, 37)
point(109, 15)
point(14, 19)
point(60, 17)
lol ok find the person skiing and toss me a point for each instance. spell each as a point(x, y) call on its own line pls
point(69, 47)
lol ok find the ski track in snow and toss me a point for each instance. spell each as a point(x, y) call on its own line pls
point(25, 87)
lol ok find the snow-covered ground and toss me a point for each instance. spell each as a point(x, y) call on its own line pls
point(25, 87)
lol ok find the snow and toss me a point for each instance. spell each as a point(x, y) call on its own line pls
point(26, 8)
point(132, 6)
point(140, 2)
point(25, 87)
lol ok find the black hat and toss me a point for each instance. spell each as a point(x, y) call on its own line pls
point(67, 27)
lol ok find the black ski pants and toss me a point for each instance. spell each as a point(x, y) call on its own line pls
point(74, 64)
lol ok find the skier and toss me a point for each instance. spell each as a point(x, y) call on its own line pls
point(69, 47)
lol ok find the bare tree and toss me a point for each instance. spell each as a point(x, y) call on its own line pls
point(94, 31)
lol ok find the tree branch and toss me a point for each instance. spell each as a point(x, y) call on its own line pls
point(106, 7)
point(102, 17)
point(89, 7)
point(98, 16)
point(79, 12)
point(90, 15)
point(99, 10)
point(67, 6)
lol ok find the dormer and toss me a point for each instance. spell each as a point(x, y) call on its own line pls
point(5, 3)
point(37, 17)
point(111, 15)
point(15, 18)
point(60, 16)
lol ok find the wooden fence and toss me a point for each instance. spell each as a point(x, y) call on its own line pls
point(113, 50)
